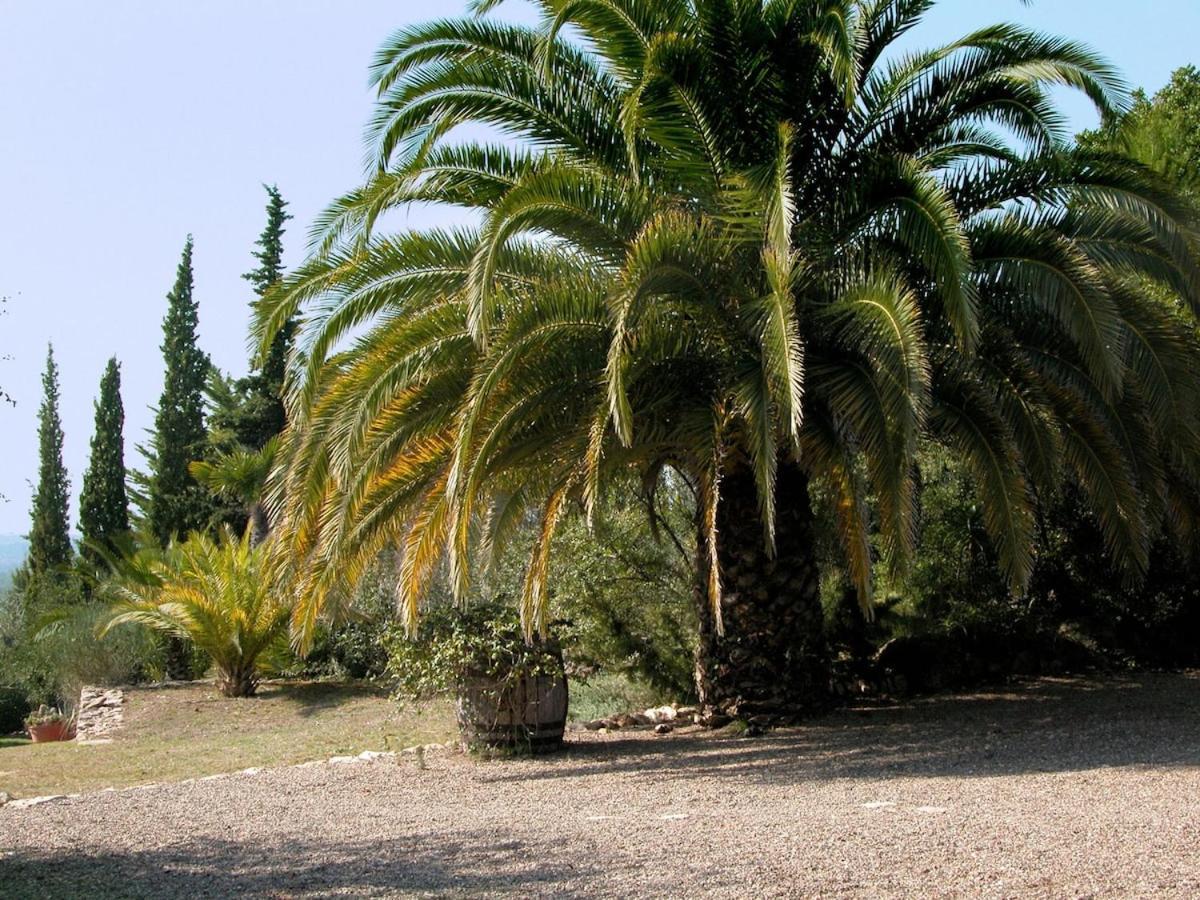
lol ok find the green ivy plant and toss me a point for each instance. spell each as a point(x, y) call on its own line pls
point(483, 640)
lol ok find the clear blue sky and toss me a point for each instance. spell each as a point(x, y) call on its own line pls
point(127, 124)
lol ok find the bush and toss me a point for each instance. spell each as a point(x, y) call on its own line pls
point(600, 695)
point(45, 715)
point(959, 624)
point(14, 707)
point(72, 655)
point(620, 592)
point(49, 648)
point(1152, 622)
point(625, 592)
point(483, 640)
point(954, 582)
point(355, 645)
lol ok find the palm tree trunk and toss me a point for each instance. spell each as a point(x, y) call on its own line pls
point(241, 681)
point(771, 665)
point(178, 659)
point(260, 523)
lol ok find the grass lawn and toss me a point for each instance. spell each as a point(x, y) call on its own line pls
point(184, 731)
point(603, 695)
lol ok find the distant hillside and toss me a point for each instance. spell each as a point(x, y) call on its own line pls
point(12, 554)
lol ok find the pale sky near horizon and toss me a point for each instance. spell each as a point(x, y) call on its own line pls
point(126, 125)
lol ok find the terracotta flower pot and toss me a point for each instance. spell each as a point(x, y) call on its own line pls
point(60, 730)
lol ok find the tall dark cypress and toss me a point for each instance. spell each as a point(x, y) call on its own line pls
point(176, 504)
point(249, 412)
point(104, 502)
point(49, 541)
point(264, 415)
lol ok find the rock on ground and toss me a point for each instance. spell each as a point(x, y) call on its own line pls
point(1056, 788)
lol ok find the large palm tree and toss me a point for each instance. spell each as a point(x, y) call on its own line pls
point(755, 244)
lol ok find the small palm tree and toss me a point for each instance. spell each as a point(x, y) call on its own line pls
point(212, 592)
point(240, 474)
point(753, 242)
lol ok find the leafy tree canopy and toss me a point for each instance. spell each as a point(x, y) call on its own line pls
point(1162, 132)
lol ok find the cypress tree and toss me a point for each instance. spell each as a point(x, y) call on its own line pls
point(270, 269)
point(104, 503)
point(249, 412)
point(176, 504)
point(258, 414)
point(49, 541)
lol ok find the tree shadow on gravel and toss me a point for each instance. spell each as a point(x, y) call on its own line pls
point(471, 862)
point(1049, 725)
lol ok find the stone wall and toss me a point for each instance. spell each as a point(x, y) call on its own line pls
point(98, 714)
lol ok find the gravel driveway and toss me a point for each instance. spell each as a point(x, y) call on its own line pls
point(1055, 788)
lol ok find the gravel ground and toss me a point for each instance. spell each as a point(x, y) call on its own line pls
point(1054, 788)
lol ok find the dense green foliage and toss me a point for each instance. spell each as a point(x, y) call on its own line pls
point(356, 644)
point(1162, 132)
point(176, 503)
point(729, 241)
point(49, 538)
point(484, 640)
point(14, 706)
point(49, 648)
point(622, 592)
point(955, 581)
point(1076, 590)
point(104, 502)
point(623, 589)
point(213, 593)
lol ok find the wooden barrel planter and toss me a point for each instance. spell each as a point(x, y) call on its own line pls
point(525, 714)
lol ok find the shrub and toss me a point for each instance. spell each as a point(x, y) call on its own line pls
point(49, 648)
point(14, 707)
point(44, 715)
point(483, 640)
point(599, 695)
point(625, 590)
point(1078, 610)
point(354, 644)
point(73, 655)
point(621, 590)
point(1153, 621)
